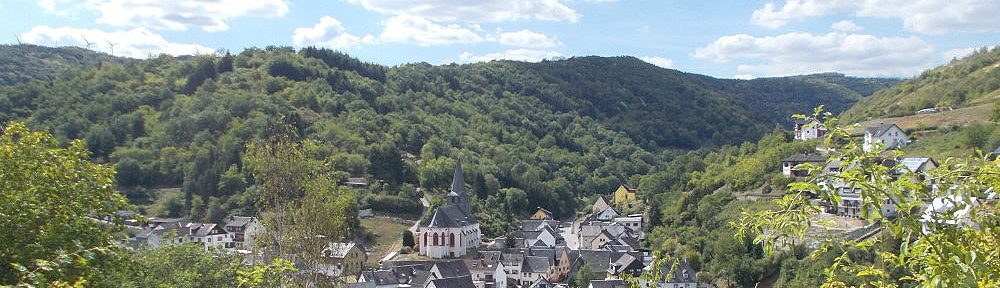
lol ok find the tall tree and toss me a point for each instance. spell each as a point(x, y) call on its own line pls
point(302, 208)
point(49, 200)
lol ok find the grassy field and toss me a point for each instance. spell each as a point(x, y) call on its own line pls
point(957, 117)
point(388, 236)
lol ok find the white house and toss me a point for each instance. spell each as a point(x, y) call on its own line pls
point(242, 231)
point(487, 270)
point(453, 229)
point(808, 130)
point(889, 135)
point(209, 235)
point(632, 222)
point(788, 164)
point(607, 214)
point(534, 268)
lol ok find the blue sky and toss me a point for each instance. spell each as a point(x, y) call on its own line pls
point(727, 39)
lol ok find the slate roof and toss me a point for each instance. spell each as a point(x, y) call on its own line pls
point(202, 230)
point(626, 262)
point(339, 249)
point(607, 283)
point(914, 164)
point(813, 158)
point(536, 264)
point(880, 129)
point(536, 225)
point(683, 274)
point(413, 274)
point(453, 268)
point(453, 282)
point(599, 260)
point(450, 216)
point(512, 259)
point(238, 221)
point(457, 181)
point(541, 283)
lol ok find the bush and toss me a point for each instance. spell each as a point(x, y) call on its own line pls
point(395, 205)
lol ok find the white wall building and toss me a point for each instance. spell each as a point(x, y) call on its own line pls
point(453, 229)
point(889, 135)
point(808, 130)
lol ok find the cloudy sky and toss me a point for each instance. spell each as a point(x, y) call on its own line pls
point(728, 38)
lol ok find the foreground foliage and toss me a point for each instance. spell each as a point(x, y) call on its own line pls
point(51, 198)
point(953, 247)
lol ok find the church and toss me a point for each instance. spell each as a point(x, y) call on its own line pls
point(452, 230)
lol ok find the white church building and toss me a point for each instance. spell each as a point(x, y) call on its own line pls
point(452, 230)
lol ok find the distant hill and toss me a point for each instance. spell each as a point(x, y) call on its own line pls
point(668, 108)
point(557, 130)
point(23, 63)
point(970, 81)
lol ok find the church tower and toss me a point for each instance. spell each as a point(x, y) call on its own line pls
point(458, 195)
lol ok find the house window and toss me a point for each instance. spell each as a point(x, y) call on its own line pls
point(435, 239)
point(451, 240)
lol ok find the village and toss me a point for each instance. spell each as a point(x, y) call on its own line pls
point(603, 248)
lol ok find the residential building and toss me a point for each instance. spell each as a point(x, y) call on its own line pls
point(209, 235)
point(683, 277)
point(889, 136)
point(343, 259)
point(808, 130)
point(615, 283)
point(600, 204)
point(242, 231)
point(624, 196)
point(788, 165)
point(487, 270)
point(542, 214)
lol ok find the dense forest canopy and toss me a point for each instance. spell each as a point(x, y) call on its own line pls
point(551, 132)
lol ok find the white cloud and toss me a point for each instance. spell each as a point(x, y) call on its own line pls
point(526, 38)
point(423, 32)
point(846, 26)
point(744, 76)
point(658, 61)
point(475, 11)
point(957, 53)
point(328, 32)
point(135, 43)
point(170, 15)
point(772, 17)
point(527, 55)
point(928, 16)
point(800, 53)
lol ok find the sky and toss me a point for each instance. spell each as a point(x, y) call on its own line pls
point(725, 39)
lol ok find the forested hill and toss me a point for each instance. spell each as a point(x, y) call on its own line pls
point(24, 63)
point(970, 81)
point(667, 108)
point(538, 134)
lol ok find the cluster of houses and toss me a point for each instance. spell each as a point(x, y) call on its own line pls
point(882, 136)
point(543, 253)
point(236, 234)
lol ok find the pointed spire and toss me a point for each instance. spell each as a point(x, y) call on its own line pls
point(458, 182)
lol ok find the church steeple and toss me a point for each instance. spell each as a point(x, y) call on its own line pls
point(458, 182)
point(459, 196)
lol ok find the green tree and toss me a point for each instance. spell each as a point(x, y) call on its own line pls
point(50, 196)
point(301, 206)
point(583, 276)
point(186, 265)
point(408, 239)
